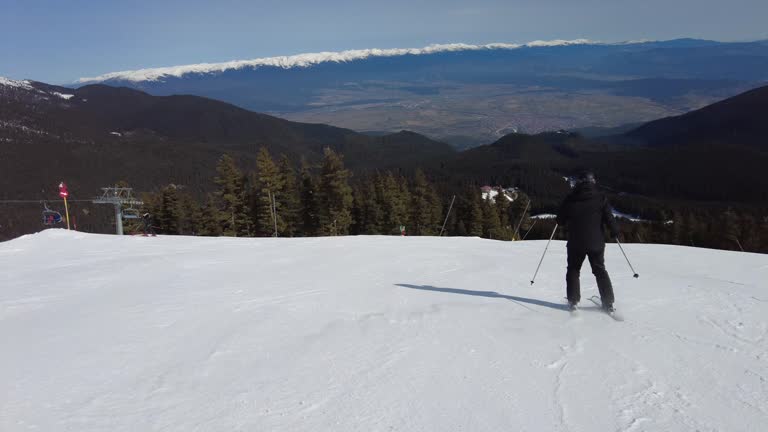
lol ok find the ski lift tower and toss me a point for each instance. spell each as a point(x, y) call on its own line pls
point(118, 196)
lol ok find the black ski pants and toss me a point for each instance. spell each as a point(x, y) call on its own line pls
point(597, 261)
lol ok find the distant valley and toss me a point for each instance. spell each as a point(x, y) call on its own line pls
point(471, 95)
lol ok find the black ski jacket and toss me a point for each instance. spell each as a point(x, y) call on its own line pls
point(584, 212)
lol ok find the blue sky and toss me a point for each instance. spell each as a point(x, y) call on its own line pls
point(59, 41)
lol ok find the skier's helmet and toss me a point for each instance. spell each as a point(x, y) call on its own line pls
point(587, 177)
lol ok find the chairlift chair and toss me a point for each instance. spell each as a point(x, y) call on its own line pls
point(131, 213)
point(51, 217)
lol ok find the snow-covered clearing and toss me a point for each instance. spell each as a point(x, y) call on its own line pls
point(101, 333)
point(63, 95)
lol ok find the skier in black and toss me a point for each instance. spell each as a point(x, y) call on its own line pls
point(149, 230)
point(584, 212)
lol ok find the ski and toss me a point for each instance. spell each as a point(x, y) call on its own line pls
point(572, 308)
point(614, 314)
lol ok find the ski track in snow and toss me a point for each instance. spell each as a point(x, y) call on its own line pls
point(373, 333)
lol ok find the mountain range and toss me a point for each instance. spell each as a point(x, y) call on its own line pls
point(96, 135)
point(473, 94)
point(130, 132)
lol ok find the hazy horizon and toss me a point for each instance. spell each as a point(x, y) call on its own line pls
point(58, 43)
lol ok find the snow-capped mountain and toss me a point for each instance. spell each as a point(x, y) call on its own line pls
point(7, 82)
point(473, 94)
point(310, 59)
point(11, 88)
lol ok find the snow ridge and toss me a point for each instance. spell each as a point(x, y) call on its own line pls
point(16, 83)
point(311, 59)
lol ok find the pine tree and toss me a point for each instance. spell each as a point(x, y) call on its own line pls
point(463, 212)
point(519, 210)
point(357, 211)
point(210, 218)
point(732, 226)
point(475, 214)
point(190, 215)
point(491, 223)
point(749, 224)
point(450, 218)
point(393, 197)
point(761, 239)
point(169, 215)
point(403, 205)
point(267, 190)
point(308, 212)
point(461, 229)
point(692, 229)
point(334, 196)
point(638, 233)
point(288, 200)
point(425, 206)
point(677, 229)
point(502, 206)
point(384, 190)
point(231, 213)
point(437, 212)
point(370, 213)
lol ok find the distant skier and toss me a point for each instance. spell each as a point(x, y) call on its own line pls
point(585, 211)
point(149, 229)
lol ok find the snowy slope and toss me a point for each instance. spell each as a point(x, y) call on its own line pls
point(101, 333)
point(7, 82)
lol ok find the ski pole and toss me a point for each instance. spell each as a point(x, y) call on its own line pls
point(625, 257)
point(542, 255)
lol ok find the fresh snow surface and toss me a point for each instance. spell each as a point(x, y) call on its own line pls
point(105, 333)
point(311, 59)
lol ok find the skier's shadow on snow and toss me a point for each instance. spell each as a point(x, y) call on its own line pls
point(491, 294)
